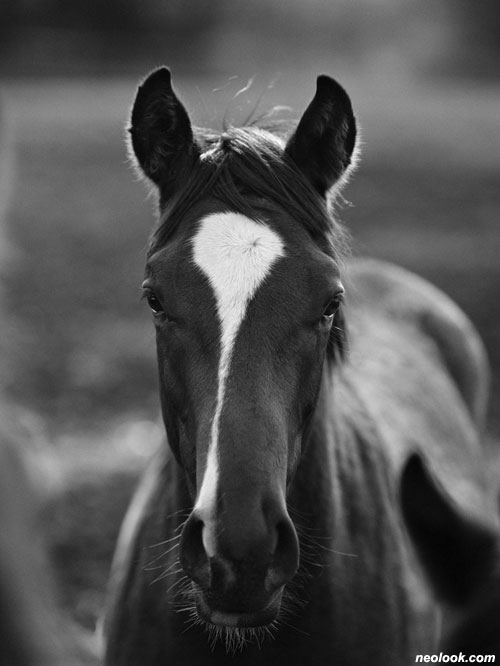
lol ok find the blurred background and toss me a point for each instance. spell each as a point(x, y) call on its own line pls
point(77, 344)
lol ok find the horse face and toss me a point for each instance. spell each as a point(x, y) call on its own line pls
point(244, 301)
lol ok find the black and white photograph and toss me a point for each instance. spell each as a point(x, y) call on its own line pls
point(250, 332)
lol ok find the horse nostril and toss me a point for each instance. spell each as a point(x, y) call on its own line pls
point(285, 560)
point(243, 559)
point(193, 557)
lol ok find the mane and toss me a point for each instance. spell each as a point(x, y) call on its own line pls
point(241, 166)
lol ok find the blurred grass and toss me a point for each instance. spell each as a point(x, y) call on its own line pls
point(80, 228)
point(426, 196)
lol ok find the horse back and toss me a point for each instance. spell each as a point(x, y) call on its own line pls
point(404, 297)
point(421, 368)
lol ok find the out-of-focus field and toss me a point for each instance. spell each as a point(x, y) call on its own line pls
point(427, 196)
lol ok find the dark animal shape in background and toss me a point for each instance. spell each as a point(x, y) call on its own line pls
point(28, 634)
point(33, 630)
point(271, 520)
point(460, 553)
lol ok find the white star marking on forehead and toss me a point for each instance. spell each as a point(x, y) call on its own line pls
point(236, 254)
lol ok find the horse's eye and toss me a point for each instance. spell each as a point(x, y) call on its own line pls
point(333, 306)
point(154, 303)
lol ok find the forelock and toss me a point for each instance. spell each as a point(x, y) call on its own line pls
point(241, 166)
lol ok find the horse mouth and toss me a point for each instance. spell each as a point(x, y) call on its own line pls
point(219, 617)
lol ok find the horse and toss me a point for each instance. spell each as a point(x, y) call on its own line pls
point(294, 383)
point(460, 553)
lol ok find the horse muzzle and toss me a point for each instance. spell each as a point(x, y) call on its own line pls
point(240, 565)
point(213, 611)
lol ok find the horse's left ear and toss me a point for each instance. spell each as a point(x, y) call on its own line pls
point(458, 551)
point(322, 146)
point(161, 133)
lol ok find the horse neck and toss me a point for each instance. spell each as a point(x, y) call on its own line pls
point(344, 502)
point(343, 487)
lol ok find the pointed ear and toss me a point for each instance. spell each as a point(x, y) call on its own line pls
point(161, 133)
point(323, 143)
point(458, 552)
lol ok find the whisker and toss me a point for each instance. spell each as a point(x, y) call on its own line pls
point(181, 525)
point(164, 554)
point(149, 567)
point(339, 552)
point(179, 512)
point(164, 543)
point(166, 574)
point(291, 626)
point(184, 580)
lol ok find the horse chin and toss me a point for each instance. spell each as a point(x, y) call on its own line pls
point(239, 619)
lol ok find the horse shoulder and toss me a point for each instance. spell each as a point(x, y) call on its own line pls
point(403, 295)
point(421, 368)
point(130, 540)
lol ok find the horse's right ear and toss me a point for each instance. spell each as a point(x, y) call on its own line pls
point(161, 133)
point(458, 552)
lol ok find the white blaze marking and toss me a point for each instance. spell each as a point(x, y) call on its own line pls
point(235, 254)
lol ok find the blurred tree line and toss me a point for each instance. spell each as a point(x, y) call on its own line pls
point(458, 37)
point(58, 36)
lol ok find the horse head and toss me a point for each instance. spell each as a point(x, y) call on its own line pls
point(243, 280)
